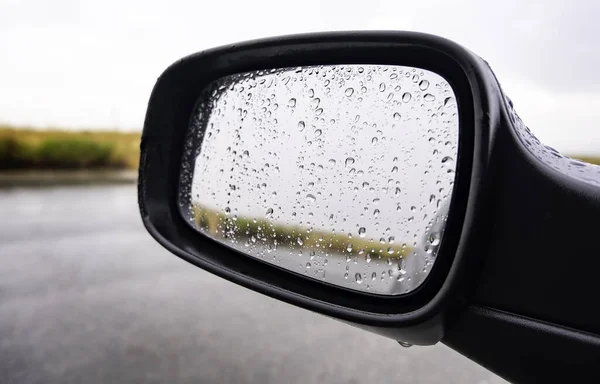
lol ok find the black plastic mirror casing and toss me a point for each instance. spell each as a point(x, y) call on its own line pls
point(419, 317)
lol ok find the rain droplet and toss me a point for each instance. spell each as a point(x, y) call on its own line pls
point(390, 250)
point(423, 85)
point(397, 116)
point(331, 162)
point(349, 247)
point(362, 231)
point(292, 102)
point(301, 125)
point(406, 97)
point(429, 97)
point(349, 161)
point(311, 198)
point(382, 87)
point(434, 239)
point(374, 140)
point(447, 101)
point(269, 213)
point(349, 92)
point(318, 132)
point(376, 212)
point(446, 159)
point(311, 93)
point(395, 169)
point(300, 242)
point(358, 278)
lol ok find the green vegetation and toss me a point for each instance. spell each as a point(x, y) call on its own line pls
point(265, 232)
point(588, 159)
point(60, 149)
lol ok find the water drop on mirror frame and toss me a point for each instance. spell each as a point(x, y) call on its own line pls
point(300, 145)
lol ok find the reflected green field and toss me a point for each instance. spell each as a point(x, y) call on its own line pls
point(246, 230)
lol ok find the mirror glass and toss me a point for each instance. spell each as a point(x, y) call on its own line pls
point(341, 173)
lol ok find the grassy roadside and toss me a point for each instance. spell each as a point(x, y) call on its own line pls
point(29, 149)
point(23, 148)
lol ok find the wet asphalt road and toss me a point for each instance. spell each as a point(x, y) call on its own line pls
point(86, 296)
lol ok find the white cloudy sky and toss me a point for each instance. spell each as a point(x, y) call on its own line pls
point(93, 63)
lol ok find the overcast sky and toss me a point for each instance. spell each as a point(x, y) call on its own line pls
point(83, 63)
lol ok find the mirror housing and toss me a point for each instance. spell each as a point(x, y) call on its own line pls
point(419, 317)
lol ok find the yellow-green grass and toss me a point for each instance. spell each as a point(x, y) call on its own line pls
point(23, 148)
point(267, 232)
point(588, 159)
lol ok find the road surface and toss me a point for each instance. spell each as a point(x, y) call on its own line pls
point(86, 296)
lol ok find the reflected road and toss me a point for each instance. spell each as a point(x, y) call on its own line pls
point(87, 296)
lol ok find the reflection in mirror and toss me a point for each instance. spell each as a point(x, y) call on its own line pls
point(340, 173)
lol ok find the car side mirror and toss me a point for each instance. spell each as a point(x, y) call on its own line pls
point(331, 174)
point(379, 178)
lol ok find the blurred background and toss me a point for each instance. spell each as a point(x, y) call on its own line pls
point(87, 296)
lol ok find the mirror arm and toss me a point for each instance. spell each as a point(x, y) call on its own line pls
point(522, 350)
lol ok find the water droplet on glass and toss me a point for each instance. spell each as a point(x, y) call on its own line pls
point(423, 85)
point(349, 247)
point(397, 116)
point(301, 125)
point(406, 97)
point(292, 102)
point(374, 140)
point(311, 198)
point(434, 239)
point(358, 278)
point(395, 169)
point(300, 242)
point(349, 161)
point(376, 212)
point(318, 132)
point(362, 231)
point(429, 97)
point(349, 92)
point(269, 213)
point(390, 250)
point(447, 101)
point(331, 162)
point(382, 87)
